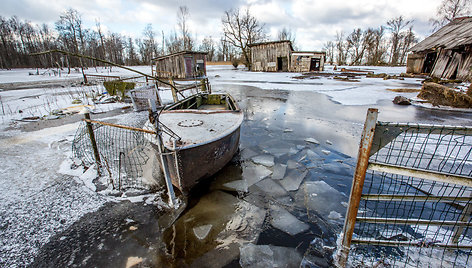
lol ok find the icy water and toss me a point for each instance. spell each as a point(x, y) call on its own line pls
point(280, 202)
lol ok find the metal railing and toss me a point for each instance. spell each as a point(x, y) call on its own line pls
point(411, 197)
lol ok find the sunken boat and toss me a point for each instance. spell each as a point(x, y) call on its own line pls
point(201, 136)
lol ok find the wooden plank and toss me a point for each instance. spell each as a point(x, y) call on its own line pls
point(413, 221)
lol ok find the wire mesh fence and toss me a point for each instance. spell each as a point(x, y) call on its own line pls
point(125, 154)
point(415, 202)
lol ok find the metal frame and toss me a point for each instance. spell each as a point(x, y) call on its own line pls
point(387, 132)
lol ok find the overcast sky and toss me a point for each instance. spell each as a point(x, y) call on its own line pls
point(314, 22)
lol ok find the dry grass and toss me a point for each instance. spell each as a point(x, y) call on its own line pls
point(404, 90)
point(218, 63)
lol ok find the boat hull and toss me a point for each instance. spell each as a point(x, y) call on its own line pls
point(189, 166)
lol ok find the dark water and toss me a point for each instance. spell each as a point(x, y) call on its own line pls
point(291, 208)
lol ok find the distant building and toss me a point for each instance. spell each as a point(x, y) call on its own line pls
point(181, 65)
point(279, 56)
point(447, 53)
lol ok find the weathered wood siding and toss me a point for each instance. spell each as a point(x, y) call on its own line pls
point(301, 62)
point(454, 64)
point(177, 66)
point(415, 62)
point(265, 56)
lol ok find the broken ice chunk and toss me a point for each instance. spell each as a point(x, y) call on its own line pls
point(201, 232)
point(265, 160)
point(293, 180)
point(271, 187)
point(288, 130)
point(300, 147)
point(248, 153)
point(284, 221)
point(252, 255)
point(329, 142)
point(279, 171)
point(238, 185)
point(293, 151)
point(291, 164)
point(312, 140)
point(326, 152)
point(333, 215)
point(253, 173)
point(321, 197)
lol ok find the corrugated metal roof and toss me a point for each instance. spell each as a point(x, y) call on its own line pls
point(457, 33)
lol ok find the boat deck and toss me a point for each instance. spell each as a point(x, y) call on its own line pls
point(200, 126)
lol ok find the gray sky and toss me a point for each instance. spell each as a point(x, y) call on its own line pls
point(314, 22)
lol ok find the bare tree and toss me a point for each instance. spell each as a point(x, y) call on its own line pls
point(407, 41)
point(287, 34)
point(448, 10)
point(376, 50)
point(241, 30)
point(182, 16)
point(149, 48)
point(358, 41)
point(341, 48)
point(329, 49)
point(396, 27)
point(208, 45)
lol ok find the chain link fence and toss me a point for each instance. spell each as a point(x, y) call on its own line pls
point(415, 200)
point(126, 155)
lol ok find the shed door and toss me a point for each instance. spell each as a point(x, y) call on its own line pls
point(188, 67)
point(314, 65)
point(282, 64)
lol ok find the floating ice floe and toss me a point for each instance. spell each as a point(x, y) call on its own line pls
point(326, 152)
point(201, 232)
point(271, 187)
point(293, 180)
point(265, 160)
point(279, 171)
point(312, 140)
point(237, 185)
point(286, 222)
point(253, 173)
point(334, 215)
point(329, 142)
point(321, 197)
point(268, 256)
point(291, 164)
point(247, 153)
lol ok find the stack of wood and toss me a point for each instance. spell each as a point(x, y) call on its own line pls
point(438, 94)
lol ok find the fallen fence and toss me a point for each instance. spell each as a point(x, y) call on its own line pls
point(123, 152)
point(411, 197)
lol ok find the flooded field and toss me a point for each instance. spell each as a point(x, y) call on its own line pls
point(280, 202)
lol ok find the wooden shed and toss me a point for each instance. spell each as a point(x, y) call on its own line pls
point(181, 65)
point(445, 54)
point(279, 56)
point(271, 56)
point(307, 61)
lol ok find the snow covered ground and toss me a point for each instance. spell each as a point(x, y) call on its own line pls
point(285, 161)
point(366, 91)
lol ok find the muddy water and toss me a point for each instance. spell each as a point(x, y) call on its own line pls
point(280, 202)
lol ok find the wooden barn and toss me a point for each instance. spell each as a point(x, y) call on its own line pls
point(445, 54)
point(271, 56)
point(279, 56)
point(307, 61)
point(181, 65)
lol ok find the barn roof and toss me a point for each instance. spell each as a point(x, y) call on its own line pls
point(179, 53)
point(272, 42)
point(457, 33)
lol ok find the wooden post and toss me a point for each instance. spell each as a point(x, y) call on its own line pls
point(356, 189)
point(172, 88)
point(92, 140)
